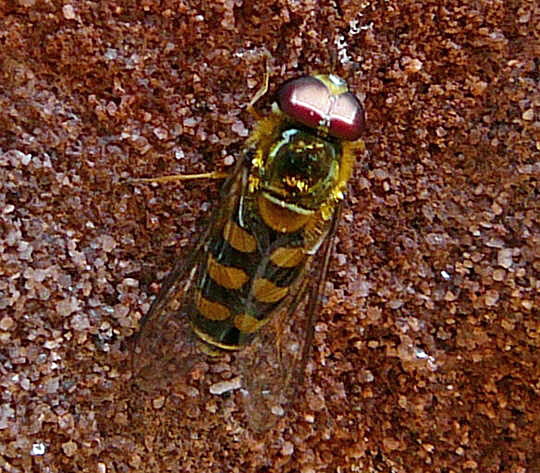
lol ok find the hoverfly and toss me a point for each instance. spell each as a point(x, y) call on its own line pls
point(252, 285)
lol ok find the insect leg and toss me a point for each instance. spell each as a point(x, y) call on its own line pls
point(178, 177)
point(263, 89)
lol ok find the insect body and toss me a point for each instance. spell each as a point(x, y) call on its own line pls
point(254, 280)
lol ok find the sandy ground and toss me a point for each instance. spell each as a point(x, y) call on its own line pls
point(426, 353)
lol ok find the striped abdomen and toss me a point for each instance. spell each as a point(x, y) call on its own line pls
point(247, 272)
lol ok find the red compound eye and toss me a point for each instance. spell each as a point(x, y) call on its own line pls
point(310, 101)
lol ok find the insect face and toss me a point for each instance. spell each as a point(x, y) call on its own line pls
point(305, 151)
point(323, 102)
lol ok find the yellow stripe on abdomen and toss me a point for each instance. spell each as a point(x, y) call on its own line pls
point(279, 218)
point(287, 257)
point(211, 310)
point(247, 323)
point(226, 276)
point(238, 238)
point(265, 290)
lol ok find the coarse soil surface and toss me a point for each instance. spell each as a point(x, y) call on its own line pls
point(426, 352)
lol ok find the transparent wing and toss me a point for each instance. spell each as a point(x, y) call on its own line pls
point(165, 348)
point(273, 365)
